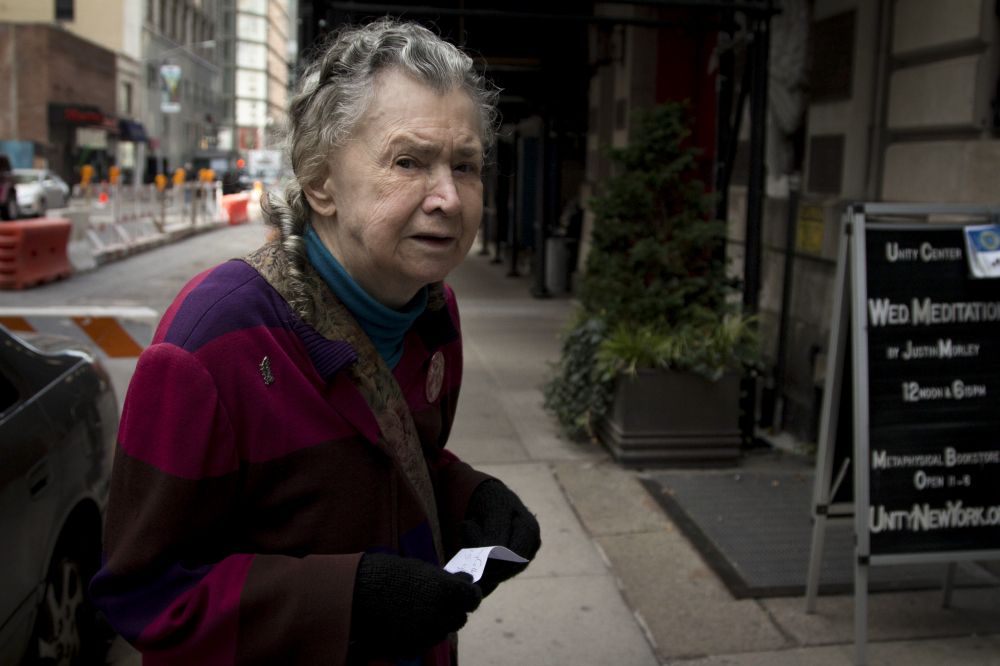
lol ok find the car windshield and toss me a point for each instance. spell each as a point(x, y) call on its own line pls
point(26, 177)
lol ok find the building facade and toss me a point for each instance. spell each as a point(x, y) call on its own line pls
point(868, 100)
point(58, 97)
point(145, 36)
point(902, 106)
point(183, 102)
point(258, 53)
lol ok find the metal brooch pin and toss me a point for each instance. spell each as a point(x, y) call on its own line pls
point(265, 372)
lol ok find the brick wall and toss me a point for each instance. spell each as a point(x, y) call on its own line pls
point(8, 109)
point(51, 65)
point(33, 82)
point(81, 72)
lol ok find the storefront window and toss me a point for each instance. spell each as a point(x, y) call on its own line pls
point(64, 10)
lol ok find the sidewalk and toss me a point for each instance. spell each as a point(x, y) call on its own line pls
point(615, 581)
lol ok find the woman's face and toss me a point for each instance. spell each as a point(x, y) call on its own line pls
point(404, 196)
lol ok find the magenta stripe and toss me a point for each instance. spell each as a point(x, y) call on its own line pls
point(440, 654)
point(259, 411)
point(208, 615)
point(172, 418)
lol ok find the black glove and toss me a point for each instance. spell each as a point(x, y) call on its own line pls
point(404, 606)
point(496, 516)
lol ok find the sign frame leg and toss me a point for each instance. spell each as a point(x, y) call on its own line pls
point(829, 414)
point(860, 611)
point(859, 342)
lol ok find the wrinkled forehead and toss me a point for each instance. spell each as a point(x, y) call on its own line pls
point(408, 112)
point(399, 90)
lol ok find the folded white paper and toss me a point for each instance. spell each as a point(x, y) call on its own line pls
point(473, 560)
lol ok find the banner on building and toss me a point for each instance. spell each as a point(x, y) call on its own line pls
point(170, 88)
point(249, 138)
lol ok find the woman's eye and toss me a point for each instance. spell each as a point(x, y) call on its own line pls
point(405, 163)
point(465, 168)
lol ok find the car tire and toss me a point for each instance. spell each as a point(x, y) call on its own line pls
point(66, 629)
point(10, 208)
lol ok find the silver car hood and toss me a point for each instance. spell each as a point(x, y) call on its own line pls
point(27, 190)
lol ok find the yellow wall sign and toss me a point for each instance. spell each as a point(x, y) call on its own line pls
point(810, 229)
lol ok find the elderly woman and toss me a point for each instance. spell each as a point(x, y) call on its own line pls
point(281, 492)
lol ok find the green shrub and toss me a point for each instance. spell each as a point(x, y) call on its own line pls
point(708, 350)
point(579, 393)
point(655, 293)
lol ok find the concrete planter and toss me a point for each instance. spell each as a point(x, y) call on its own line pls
point(663, 418)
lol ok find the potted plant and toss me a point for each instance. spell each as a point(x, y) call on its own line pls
point(651, 362)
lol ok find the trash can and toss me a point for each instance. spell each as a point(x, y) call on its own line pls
point(557, 264)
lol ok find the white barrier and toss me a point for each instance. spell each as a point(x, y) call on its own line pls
point(124, 219)
point(113, 332)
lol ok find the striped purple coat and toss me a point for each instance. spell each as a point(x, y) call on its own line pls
point(244, 492)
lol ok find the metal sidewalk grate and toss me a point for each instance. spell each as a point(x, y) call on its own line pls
point(754, 530)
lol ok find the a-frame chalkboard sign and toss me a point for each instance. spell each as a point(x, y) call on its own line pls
point(911, 401)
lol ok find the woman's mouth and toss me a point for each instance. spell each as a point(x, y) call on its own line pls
point(434, 241)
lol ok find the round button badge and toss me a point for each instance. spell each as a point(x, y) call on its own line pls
point(435, 377)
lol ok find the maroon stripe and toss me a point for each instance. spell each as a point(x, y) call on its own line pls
point(454, 366)
point(297, 611)
point(414, 356)
point(412, 378)
point(452, 301)
point(456, 482)
point(330, 498)
point(154, 518)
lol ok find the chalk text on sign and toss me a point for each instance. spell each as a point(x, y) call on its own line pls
point(926, 253)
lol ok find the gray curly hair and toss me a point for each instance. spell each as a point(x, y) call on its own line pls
point(335, 92)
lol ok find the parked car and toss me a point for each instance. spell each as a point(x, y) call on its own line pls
point(8, 192)
point(58, 426)
point(38, 190)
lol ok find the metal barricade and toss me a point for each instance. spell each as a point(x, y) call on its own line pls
point(124, 218)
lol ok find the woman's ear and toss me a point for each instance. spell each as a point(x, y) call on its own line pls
point(319, 194)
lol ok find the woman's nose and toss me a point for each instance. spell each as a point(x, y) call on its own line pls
point(443, 195)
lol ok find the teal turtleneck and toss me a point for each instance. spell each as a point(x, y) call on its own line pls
point(384, 326)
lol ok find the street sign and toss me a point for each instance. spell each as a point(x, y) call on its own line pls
point(914, 354)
